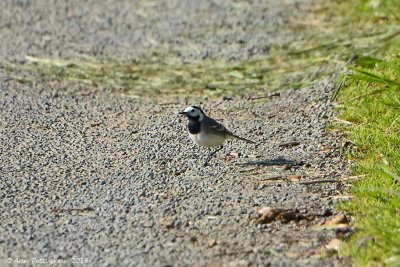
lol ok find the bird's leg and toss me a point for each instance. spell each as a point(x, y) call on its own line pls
point(208, 158)
point(212, 154)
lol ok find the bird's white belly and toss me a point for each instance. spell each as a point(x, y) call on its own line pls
point(207, 140)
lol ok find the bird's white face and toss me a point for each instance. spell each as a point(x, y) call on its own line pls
point(194, 112)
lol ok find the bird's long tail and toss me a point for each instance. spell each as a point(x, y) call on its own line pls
point(243, 139)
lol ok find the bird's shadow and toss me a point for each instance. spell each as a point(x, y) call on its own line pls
point(272, 162)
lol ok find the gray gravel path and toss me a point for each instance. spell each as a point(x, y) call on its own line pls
point(89, 175)
point(128, 29)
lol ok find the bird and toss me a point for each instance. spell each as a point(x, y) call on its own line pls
point(207, 132)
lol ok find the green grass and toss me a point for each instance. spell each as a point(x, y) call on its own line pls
point(370, 100)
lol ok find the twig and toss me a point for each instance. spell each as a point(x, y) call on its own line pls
point(281, 177)
point(320, 181)
point(355, 177)
point(261, 97)
point(248, 170)
point(276, 162)
point(95, 124)
point(169, 104)
point(272, 178)
point(342, 121)
point(342, 180)
point(290, 144)
point(72, 209)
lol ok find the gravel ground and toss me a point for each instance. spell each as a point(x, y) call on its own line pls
point(90, 176)
point(132, 29)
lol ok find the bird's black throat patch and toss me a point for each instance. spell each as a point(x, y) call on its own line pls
point(194, 126)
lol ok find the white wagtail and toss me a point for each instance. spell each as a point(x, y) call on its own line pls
point(205, 131)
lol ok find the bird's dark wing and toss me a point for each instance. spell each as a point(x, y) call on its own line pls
point(213, 127)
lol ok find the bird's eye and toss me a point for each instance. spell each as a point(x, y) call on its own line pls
point(192, 110)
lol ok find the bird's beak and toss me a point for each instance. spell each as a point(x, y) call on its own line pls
point(182, 112)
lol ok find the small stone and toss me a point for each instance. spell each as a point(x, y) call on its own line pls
point(338, 219)
point(268, 214)
point(292, 254)
point(252, 257)
point(227, 98)
point(333, 245)
point(286, 167)
point(211, 242)
point(169, 223)
point(294, 178)
point(234, 154)
point(327, 213)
